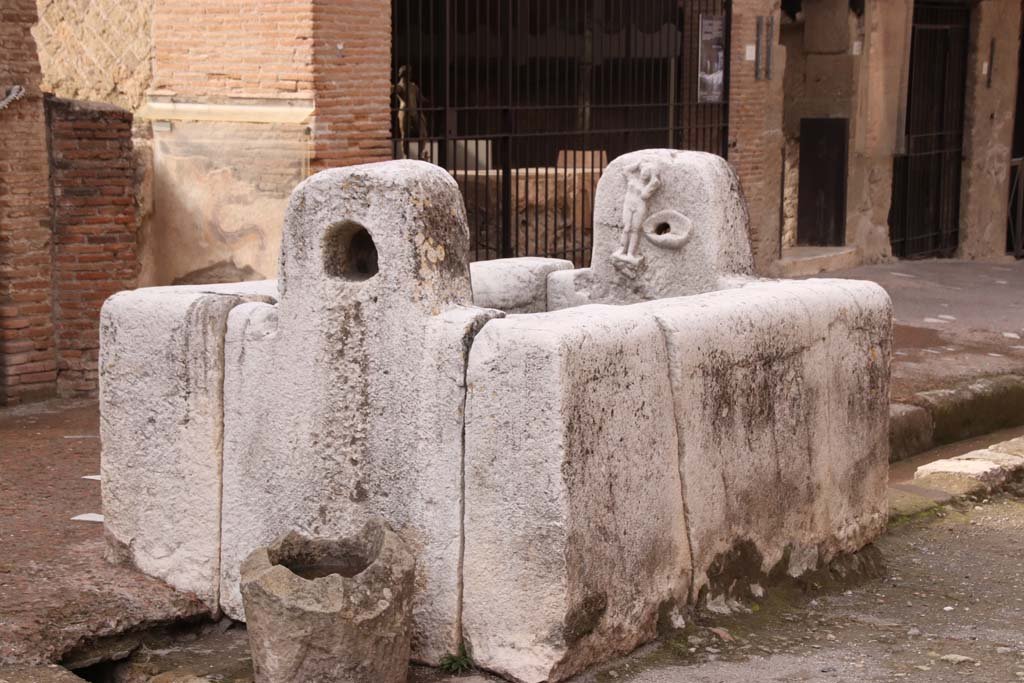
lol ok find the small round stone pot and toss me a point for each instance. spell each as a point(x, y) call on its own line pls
point(330, 610)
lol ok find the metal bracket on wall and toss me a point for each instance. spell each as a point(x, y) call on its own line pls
point(991, 62)
point(763, 50)
point(15, 92)
point(759, 49)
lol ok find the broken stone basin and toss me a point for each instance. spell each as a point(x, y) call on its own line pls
point(335, 611)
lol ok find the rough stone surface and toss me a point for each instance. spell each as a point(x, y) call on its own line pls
point(575, 532)
point(514, 285)
point(910, 431)
point(1013, 447)
point(977, 407)
point(37, 674)
point(346, 398)
point(161, 380)
point(687, 230)
point(330, 610)
point(990, 467)
point(99, 51)
point(781, 406)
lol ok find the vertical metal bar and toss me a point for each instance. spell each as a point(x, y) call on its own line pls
point(506, 166)
point(724, 110)
point(758, 48)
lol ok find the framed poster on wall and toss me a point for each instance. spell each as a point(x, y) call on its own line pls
point(711, 60)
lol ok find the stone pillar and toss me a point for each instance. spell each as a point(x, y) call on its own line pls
point(988, 127)
point(346, 399)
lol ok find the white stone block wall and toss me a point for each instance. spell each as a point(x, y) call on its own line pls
point(161, 379)
point(564, 479)
point(781, 405)
point(575, 536)
point(777, 396)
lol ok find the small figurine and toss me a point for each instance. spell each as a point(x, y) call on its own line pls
point(643, 181)
point(411, 119)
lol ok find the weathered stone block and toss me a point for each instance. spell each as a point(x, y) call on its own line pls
point(781, 407)
point(334, 610)
point(346, 399)
point(666, 223)
point(161, 375)
point(575, 530)
point(910, 431)
point(514, 285)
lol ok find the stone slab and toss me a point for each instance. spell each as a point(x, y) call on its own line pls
point(781, 404)
point(514, 285)
point(575, 529)
point(161, 375)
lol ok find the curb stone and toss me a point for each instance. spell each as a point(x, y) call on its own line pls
point(977, 473)
point(941, 416)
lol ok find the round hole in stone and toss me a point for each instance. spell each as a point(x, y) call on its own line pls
point(349, 252)
point(662, 229)
point(312, 559)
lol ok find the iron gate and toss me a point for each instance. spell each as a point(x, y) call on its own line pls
point(926, 180)
point(524, 102)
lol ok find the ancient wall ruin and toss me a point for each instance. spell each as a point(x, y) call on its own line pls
point(96, 50)
point(28, 364)
point(67, 224)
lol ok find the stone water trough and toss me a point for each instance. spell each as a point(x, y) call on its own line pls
point(570, 455)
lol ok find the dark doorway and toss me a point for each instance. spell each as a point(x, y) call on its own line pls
point(821, 202)
point(925, 216)
point(526, 101)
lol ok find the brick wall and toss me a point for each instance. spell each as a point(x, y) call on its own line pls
point(352, 68)
point(755, 129)
point(216, 50)
point(94, 227)
point(27, 356)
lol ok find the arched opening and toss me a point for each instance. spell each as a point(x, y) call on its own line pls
point(349, 252)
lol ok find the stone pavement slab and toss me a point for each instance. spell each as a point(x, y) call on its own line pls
point(955, 320)
point(57, 593)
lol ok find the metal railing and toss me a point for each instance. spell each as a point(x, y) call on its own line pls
point(525, 102)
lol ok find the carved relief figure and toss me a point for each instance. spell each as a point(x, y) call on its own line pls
point(643, 181)
point(411, 119)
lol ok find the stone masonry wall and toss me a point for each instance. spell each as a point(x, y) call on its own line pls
point(94, 229)
point(97, 50)
point(755, 128)
point(28, 365)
